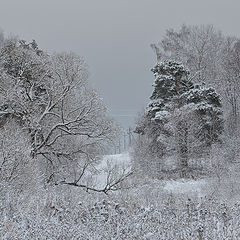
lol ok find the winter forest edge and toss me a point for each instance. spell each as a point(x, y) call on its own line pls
point(178, 177)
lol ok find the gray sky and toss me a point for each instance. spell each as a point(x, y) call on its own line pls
point(114, 37)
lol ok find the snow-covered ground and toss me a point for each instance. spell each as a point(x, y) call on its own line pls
point(110, 167)
point(185, 187)
point(122, 161)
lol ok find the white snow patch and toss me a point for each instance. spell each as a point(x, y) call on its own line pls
point(113, 166)
point(185, 187)
point(122, 159)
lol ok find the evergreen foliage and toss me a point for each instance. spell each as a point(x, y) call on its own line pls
point(181, 117)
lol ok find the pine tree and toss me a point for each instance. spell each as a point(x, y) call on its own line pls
point(181, 117)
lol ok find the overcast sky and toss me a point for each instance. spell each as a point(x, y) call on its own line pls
point(114, 37)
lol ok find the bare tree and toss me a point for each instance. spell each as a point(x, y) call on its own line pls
point(230, 80)
point(197, 47)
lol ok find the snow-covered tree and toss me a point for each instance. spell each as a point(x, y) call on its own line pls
point(198, 47)
point(230, 81)
point(50, 97)
point(212, 58)
point(19, 173)
point(181, 117)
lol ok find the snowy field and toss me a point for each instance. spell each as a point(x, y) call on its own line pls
point(155, 209)
point(190, 187)
point(123, 161)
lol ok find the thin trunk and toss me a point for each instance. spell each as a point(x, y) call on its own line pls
point(184, 158)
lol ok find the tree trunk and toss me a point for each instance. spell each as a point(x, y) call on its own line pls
point(183, 151)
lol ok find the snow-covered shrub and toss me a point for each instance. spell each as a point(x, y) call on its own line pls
point(172, 218)
point(19, 172)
